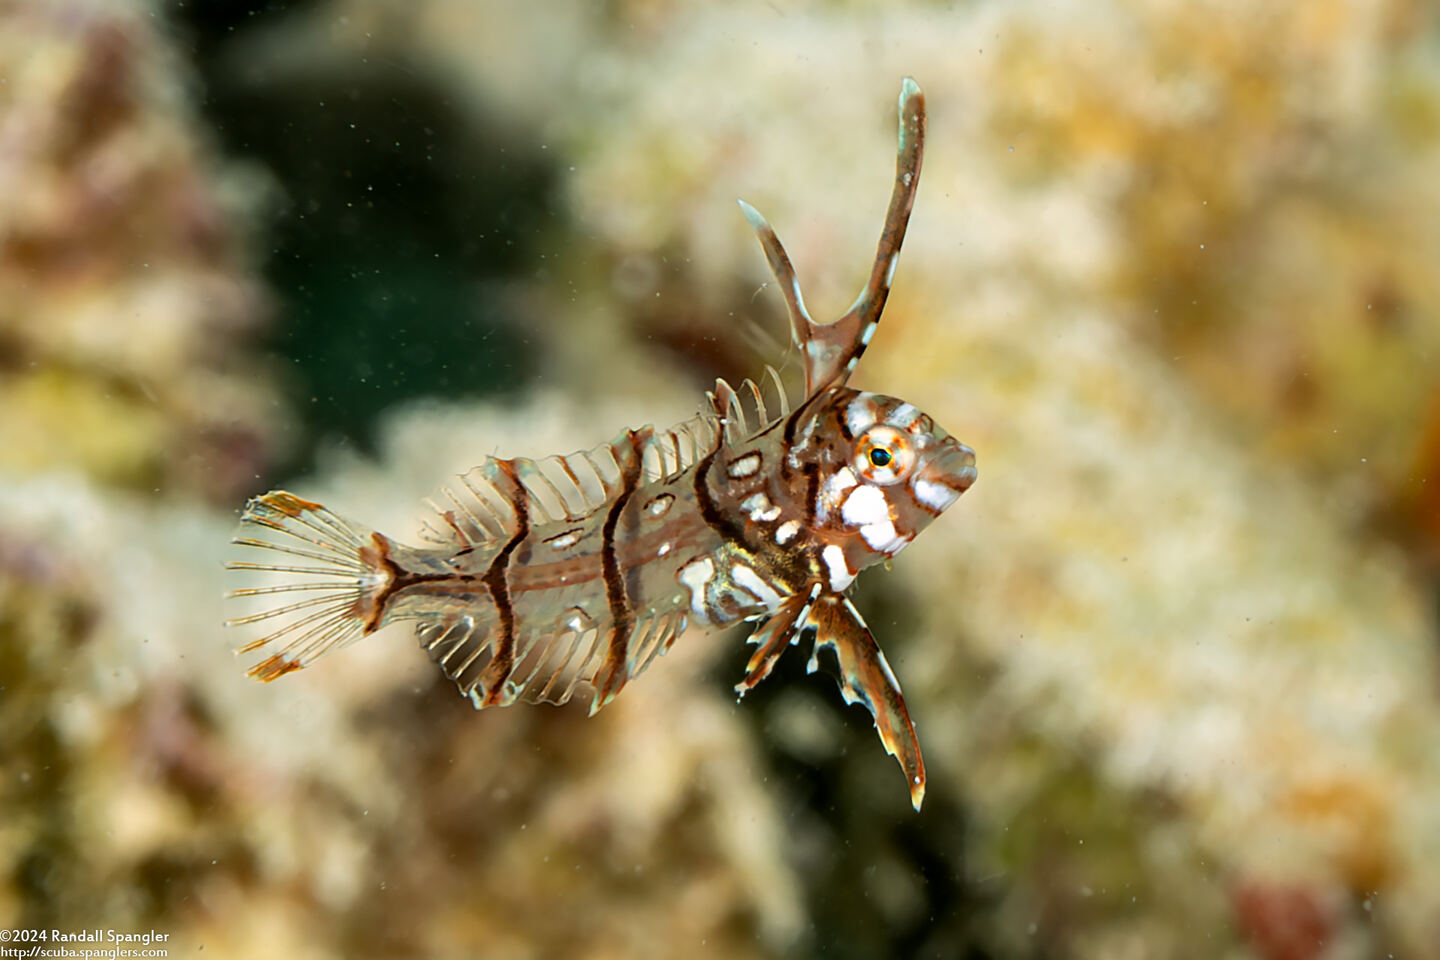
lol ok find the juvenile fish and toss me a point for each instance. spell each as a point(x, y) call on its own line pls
point(543, 577)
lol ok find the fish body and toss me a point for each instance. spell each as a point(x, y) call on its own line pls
point(539, 578)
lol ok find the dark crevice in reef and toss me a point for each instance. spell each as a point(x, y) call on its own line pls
point(397, 223)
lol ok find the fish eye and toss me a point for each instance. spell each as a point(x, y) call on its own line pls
point(884, 455)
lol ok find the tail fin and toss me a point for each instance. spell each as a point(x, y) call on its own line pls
point(302, 549)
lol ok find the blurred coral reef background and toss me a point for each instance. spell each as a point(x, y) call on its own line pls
point(1174, 273)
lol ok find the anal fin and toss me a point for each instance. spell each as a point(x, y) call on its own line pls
point(773, 636)
point(866, 678)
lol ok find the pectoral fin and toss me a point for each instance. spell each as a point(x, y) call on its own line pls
point(866, 678)
point(773, 636)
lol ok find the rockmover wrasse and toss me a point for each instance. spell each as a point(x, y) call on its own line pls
point(543, 577)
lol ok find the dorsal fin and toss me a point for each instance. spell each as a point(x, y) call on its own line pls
point(744, 412)
point(831, 350)
point(472, 511)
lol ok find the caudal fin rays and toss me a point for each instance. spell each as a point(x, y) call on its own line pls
point(307, 608)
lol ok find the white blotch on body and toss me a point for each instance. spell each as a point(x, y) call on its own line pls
point(890, 270)
point(565, 541)
point(664, 549)
point(748, 579)
point(744, 466)
point(936, 496)
point(695, 576)
point(660, 504)
point(787, 531)
point(840, 574)
point(760, 508)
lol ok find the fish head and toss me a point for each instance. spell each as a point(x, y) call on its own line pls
point(886, 471)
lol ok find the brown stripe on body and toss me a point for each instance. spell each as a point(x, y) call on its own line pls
point(571, 572)
point(377, 557)
point(635, 567)
point(798, 563)
point(792, 423)
point(502, 660)
point(800, 556)
point(812, 495)
point(783, 568)
point(729, 531)
point(622, 615)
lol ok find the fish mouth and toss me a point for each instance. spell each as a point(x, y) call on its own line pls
point(956, 463)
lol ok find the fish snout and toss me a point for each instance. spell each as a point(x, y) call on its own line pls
point(955, 465)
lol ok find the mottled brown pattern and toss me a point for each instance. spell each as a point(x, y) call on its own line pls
point(738, 513)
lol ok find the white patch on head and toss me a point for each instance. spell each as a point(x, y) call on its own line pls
point(936, 496)
point(840, 574)
point(840, 481)
point(664, 549)
point(904, 415)
point(883, 538)
point(860, 415)
point(865, 505)
point(660, 504)
point(835, 486)
point(787, 531)
point(695, 576)
point(748, 579)
point(744, 466)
